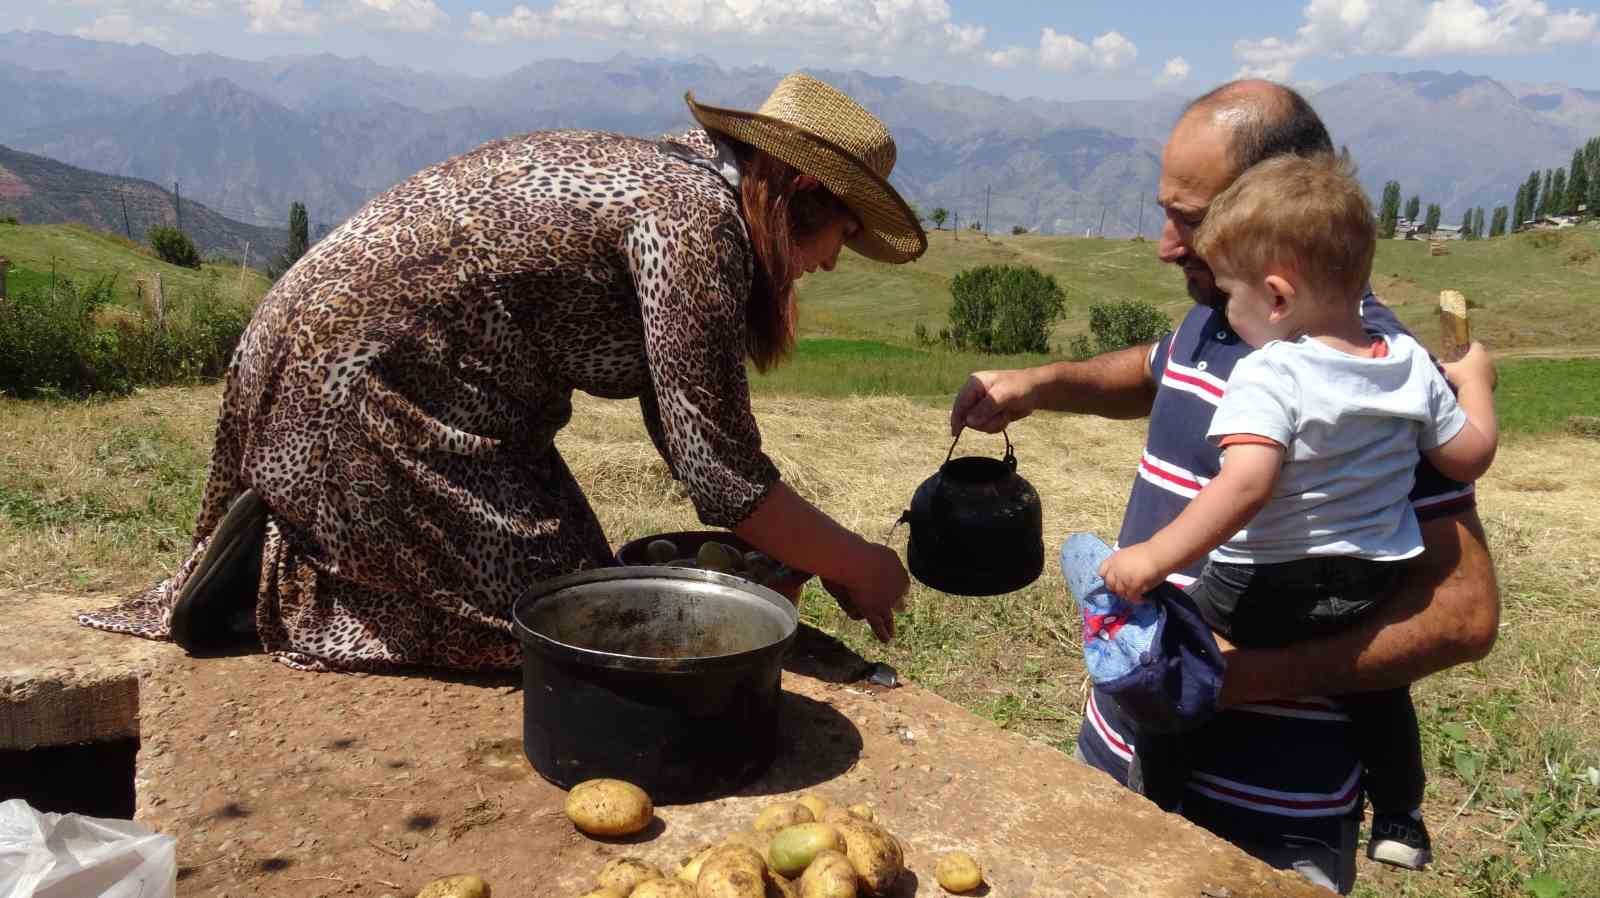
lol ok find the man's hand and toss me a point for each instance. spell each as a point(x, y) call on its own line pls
point(1132, 572)
point(1474, 368)
point(991, 400)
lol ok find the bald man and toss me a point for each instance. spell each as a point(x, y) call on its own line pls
point(1275, 772)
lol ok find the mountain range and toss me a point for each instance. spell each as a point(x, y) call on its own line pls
point(247, 138)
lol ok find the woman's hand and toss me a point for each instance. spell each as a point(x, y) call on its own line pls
point(875, 588)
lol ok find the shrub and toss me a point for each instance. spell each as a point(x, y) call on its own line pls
point(1119, 325)
point(920, 332)
point(8, 219)
point(73, 342)
point(1004, 309)
point(174, 247)
point(1018, 230)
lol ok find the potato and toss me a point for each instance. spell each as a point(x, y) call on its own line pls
point(607, 807)
point(461, 885)
point(829, 876)
point(864, 811)
point(794, 847)
point(780, 887)
point(715, 556)
point(732, 871)
point(874, 853)
point(816, 805)
point(784, 813)
point(755, 841)
point(661, 551)
point(958, 872)
point(662, 888)
point(603, 893)
point(689, 867)
point(625, 873)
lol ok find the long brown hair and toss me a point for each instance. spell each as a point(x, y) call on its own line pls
point(778, 216)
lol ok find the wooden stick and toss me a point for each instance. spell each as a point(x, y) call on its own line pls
point(1455, 330)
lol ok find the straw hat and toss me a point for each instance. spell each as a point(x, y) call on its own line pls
point(827, 135)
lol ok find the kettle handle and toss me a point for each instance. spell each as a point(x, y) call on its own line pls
point(1011, 451)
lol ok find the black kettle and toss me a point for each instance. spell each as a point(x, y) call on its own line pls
point(976, 527)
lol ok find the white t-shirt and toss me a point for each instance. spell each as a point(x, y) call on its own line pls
point(1352, 428)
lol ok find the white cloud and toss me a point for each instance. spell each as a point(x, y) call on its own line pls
point(1061, 52)
point(1065, 53)
point(838, 28)
point(123, 28)
point(1112, 51)
point(129, 7)
point(522, 25)
point(1176, 71)
point(285, 16)
point(1009, 58)
point(397, 15)
point(1415, 29)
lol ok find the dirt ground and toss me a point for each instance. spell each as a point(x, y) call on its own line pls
point(277, 782)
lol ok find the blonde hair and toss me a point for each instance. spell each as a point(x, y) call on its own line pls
point(1304, 214)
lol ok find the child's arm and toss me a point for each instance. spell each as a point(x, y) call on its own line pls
point(1468, 454)
point(1249, 473)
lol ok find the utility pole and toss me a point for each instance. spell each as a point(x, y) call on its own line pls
point(957, 231)
point(1101, 231)
point(122, 194)
point(986, 191)
point(1141, 217)
point(177, 204)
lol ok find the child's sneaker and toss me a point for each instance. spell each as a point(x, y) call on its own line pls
point(1400, 840)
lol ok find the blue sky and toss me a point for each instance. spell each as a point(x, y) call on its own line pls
point(1059, 50)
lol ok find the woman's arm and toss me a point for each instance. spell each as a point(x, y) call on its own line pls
point(1446, 612)
point(797, 533)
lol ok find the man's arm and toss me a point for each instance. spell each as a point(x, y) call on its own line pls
point(1112, 385)
point(1446, 612)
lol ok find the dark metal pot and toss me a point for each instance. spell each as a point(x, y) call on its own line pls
point(665, 677)
point(976, 527)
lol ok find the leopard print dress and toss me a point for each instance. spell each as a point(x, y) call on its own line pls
point(395, 397)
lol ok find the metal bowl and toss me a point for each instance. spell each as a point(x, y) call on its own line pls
point(666, 677)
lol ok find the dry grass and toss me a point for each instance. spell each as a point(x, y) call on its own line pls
point(99, 497)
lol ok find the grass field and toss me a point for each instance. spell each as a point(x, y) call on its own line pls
point(39, 253)
point(99, 497)
point(1534, 289)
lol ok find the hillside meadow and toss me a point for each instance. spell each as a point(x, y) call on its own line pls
point(99, 497)
point(1537, 289)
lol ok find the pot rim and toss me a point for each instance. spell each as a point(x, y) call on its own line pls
point(534, 641)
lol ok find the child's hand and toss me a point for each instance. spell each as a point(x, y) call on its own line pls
point(1476, 367)
point(1132, 572)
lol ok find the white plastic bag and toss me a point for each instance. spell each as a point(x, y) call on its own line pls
point(71, 856)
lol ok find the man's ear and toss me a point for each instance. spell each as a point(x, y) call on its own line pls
point(1282, 294)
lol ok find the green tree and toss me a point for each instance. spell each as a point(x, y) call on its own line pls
point(174, 247)
point(1543, 207)
point(1519, 209)
point(299, 242)
point(1497, 225)
point(1431, 223)
point(1413, 209)
point(1531, 208)
point(1577, 183)
point(1558, 193)
point(1004, 309)
point(1591, 154)
point(939, 217)
point(1389, 212)
point(1478, 231)
point(1466, 226)
point(1119, 325)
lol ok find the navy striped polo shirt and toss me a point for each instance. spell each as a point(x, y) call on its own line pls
point(1285, 767)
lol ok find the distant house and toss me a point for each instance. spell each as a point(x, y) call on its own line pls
point(1552, 223)
point(1446, 232)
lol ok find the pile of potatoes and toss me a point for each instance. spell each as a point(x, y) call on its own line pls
point(715, 556)
point(807, 848)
